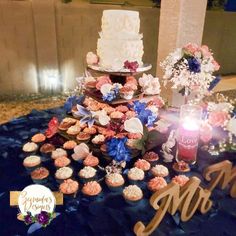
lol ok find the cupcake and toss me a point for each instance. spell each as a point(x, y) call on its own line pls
point(91, 130)
point(30, 148)
point(31, 162)
point(122, 108)
point(156, 184)
point(159, 171)
point(66, 123)
point(98, 139)
point(40, 175)
point(83, 137)
point(38, 138)
point(69, 146)
point(181, 167)
point(73, 130)
point(59, 152)
point(62, 162)
point(114, 181)
point(108, 109)
point(81, 151)
point(117, 115)
point(127, 92)
point(69, 187)
point(181, 180)
point(151, 157)
point(46, 150)
point(142, 164)
point(91, 189)
point(91, 160)
point(63, 174)
point(87, 174)
point(130, 114)
point(132, 194)
point(135, 174)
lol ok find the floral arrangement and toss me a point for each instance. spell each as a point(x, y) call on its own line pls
point(43, 218)
point(190, 68)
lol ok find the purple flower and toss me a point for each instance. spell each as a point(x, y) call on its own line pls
point(87, 116)
point(43, 218)
point(28, 219)
point(73, 101)
point(194, 65)
point(131, 65)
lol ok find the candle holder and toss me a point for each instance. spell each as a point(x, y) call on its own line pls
point(188, 133)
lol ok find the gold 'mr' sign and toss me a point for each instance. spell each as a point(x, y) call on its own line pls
point(189, 198)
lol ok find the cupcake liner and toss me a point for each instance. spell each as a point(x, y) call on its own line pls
point(85, 180)
point(59, 181)
point(132, 203)
point(92, 198)
point(30, 169)
point(40, 181)
point(70, 196)
point(116, 188)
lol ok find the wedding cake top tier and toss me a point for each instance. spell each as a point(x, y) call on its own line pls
point(121, 24)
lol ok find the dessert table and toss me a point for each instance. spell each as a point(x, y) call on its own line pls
point(108, 215)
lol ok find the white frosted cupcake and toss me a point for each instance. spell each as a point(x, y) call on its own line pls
point(30, 148)
point(59, 152)
point(31, 162)
point(132, 194)
point(135, 175)
point(63, 174)
point(115, 181)
point(159, 171)
point(98, 139)
point(87, 174)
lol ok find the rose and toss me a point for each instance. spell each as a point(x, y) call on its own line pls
point(216, 65)
point(102, 80)
point(231, 126)
point(205, 132)
point(91, 58)
point(205, 51)
point(28, 219)
point(191, 48)
point(218, 118)
point(43, 218)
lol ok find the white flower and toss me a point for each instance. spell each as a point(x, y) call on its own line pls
point(106, 88)
point(102, 117)
point(231, 126)
point(149, 84)
point(153, 109)
point(133, 125)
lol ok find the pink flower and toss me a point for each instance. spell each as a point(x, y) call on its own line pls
point(216, 65)
point(205, 51)
point(102, 80)
point(131, 79)
point(191, 48)
point(206, 132)
point(91, 58)
point(218, 118)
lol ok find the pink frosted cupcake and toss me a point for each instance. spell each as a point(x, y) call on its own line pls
point(91, 160)
point(69, 146)
point(181, 180)
point(73, 130)
point(130, 114)
point(181, 167)
point(91, 130)
point(38, 138)
point(92, 189)
point(122, 108)
point(69, 187)
point(62, 162)
point(142, 164)
point(151, 157)
point(98, 139)
point(156, 184)
point(159, 171)
point(117, 115)
point(127, 92)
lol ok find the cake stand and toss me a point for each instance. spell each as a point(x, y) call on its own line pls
point(118, 76)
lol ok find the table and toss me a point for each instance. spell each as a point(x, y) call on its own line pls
point(110, 215)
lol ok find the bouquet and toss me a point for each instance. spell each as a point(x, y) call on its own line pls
point(190, 69)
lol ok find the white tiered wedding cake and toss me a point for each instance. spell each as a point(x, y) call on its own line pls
point(119, 40)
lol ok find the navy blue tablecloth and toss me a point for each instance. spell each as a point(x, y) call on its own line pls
point(108, 215)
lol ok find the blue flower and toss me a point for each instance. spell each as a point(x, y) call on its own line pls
point(87, 116)
point(146, 116)
point(73, 101)
point(117, 149)
point(194, 65)
point(109, 97)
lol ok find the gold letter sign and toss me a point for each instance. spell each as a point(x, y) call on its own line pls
point(190, 197)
